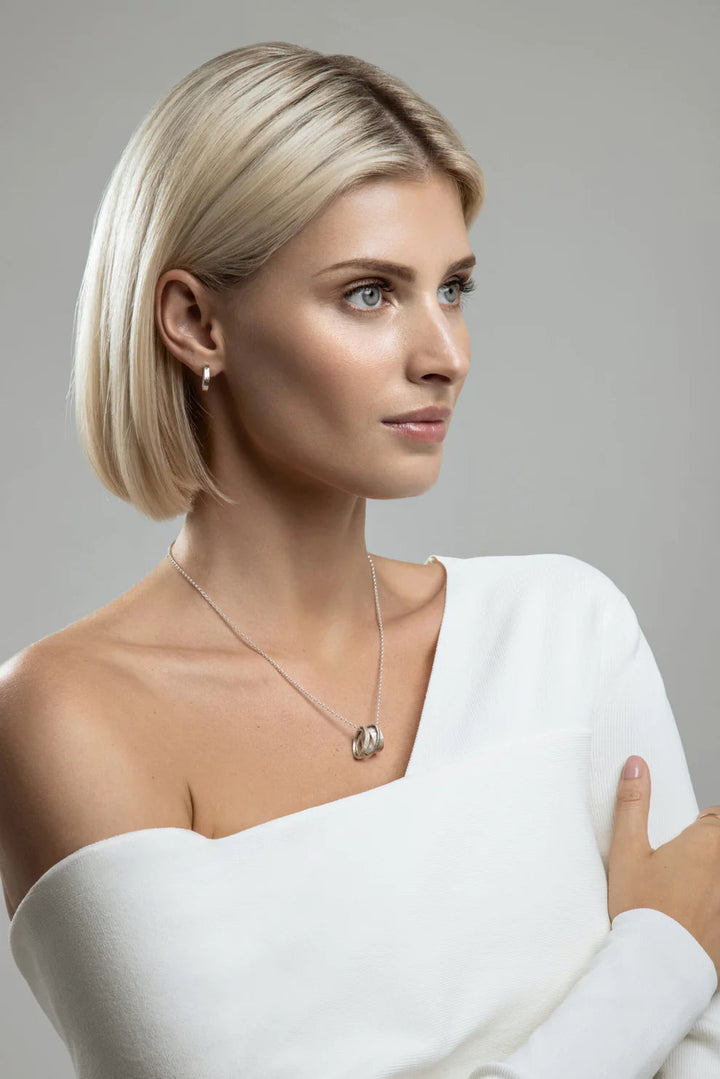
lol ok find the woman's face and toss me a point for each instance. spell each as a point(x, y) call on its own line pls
point(317, 356)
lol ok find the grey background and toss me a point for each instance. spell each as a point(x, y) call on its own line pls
point(588, 422)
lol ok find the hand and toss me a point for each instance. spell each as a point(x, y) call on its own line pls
point(680, 878)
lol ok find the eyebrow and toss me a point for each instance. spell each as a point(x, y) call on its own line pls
point(405, 273)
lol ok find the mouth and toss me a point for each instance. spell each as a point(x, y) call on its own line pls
point(421, 415)
point(421, 430)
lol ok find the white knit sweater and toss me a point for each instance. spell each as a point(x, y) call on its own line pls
point(451, 924)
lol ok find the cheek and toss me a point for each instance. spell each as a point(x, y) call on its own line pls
point(336, 366)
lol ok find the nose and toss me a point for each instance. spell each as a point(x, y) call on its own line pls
point(440, 342)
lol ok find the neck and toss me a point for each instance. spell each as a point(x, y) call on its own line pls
point(290, 569)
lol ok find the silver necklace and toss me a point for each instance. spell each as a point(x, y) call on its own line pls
point(367, 740)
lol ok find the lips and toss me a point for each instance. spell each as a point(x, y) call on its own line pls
point(419, 430)
point(421, 415)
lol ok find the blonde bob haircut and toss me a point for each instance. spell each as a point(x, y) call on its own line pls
point(231, 164)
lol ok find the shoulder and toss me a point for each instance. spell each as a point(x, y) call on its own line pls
point(70, 771)
point(35, 684)
point(547, 575)
point(590, 592)
point(562, 603)
point(64, 674)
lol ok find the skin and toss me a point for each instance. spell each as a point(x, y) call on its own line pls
point(301, 377)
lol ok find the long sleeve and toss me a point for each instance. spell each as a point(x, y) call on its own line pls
point(636, 717)
point(643, 992)
point(648, 1007)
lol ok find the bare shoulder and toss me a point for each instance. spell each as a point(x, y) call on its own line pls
point(71, 770)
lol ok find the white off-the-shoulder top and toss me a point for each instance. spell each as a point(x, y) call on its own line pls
point(451, 924)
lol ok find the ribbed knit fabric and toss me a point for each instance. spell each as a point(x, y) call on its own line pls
point(451, 924)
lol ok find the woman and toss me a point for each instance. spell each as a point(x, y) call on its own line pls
point(225, 851)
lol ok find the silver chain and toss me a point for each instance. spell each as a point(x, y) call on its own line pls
point(369, 739)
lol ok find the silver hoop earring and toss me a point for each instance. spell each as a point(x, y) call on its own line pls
point(206, 378)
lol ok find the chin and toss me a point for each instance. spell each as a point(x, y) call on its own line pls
point(401, 482)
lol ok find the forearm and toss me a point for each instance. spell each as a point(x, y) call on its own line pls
point(644, 990)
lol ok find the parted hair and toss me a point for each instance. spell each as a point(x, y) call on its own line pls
point(232, 163)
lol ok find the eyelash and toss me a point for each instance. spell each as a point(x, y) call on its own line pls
point(467, 285)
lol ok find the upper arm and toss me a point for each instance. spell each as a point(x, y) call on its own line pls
point(68, 774)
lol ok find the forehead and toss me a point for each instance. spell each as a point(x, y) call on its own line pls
point(389, 196)
point(399, 219)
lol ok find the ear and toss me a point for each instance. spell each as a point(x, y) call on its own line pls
point(188, 322)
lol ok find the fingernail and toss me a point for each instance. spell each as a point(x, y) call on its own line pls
point(633, 768)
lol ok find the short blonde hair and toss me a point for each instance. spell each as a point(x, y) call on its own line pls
point(233, 162)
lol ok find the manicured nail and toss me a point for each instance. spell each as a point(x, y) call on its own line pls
point(633, 768)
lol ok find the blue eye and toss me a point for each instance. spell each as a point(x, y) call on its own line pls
point(462, 285)
point(373, 286)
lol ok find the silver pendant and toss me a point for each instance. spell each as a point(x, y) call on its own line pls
point(367, 741)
